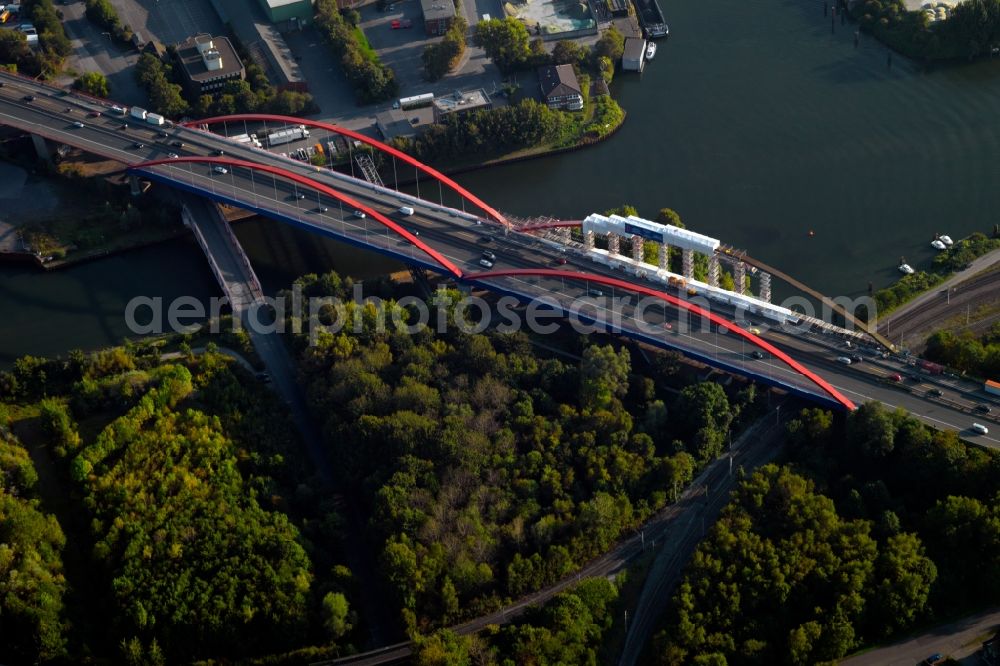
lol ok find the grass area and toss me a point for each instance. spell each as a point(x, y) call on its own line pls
point(363, 45)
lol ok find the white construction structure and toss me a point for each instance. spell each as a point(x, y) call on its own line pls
point(635, 231)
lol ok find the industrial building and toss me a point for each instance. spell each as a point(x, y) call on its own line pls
point(207, 63)
point(634, 55)
point(295, 12)
point(560, 88)
point(460, 102)
point(438, 15)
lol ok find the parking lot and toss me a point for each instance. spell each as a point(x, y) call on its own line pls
point(169, 21)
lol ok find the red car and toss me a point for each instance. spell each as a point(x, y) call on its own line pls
point(401, 23)
point(896, 377)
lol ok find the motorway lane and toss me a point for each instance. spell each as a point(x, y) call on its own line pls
point(455, 236)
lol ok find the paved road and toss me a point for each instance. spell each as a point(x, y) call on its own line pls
point(956, 639)
point(460, 239)
point(757, 446)
point(93, 51)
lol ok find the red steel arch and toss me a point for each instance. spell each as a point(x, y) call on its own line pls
point(430, 171)
point(325, 189)
point(680, 303)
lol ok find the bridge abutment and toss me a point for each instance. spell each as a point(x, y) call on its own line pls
point(41, 148)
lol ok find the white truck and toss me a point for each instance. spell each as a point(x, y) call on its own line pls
point(155, 119)
point(137, 112)
point(250, 139)
point(287, 136)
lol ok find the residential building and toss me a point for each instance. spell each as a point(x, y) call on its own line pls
point(438, 15)
point(560, 88)
point(208, 63)
point(460, 102)
point(634, 55)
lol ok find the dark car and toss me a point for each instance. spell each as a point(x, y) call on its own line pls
point(177, 144)
point(934, 392)
point(982, 409)
point(162, 135)
point(29, 98)
point(757, 354)
point(489, 255)
point(220, 152)
point(138, 145)
point(934, 659)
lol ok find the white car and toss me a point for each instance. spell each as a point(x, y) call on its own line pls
point(78, 124)
point(405, 210)
point(486, 263)
point(843, 359)
point(172, 156)
point(360, 214)
point(980, 428)
point(220, 169)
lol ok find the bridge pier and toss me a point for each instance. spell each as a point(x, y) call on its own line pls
point(765, 286)
point(613, 247)
point(588, 240)
point(135, 187)
point(638, 249)
point(565, 235)
point(713, 270)
point(740, 277)
point(664, 256)
point(687, 257)
point(41, 148)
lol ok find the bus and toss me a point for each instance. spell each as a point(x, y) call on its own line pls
point(416, 101)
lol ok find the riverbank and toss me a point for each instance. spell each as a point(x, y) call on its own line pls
point(924, 34)
point(958, 259)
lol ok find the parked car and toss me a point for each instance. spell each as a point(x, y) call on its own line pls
point(398, 24)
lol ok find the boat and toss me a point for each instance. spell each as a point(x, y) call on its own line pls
point(938, 244)
point(650, 51)
point(946, 240)
point(905, 268)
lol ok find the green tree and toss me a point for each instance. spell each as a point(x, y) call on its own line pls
point(568, 52)
point(93, 83)
point(903, 579)
point(505, 42)
point(335, 615)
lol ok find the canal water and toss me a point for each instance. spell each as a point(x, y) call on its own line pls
point(755, 122)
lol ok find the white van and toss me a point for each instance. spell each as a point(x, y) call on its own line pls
point(980, 428)
point(405, 210)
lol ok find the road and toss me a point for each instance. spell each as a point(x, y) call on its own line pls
point(956, 639)
point(757, 446)
point(461, 240)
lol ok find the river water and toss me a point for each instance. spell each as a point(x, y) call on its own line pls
point(754, 122)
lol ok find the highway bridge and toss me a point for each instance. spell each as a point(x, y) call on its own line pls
point(450, 240)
